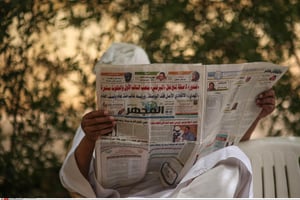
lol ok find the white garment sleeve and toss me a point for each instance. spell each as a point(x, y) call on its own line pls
point(72, 179)
point(225, 173)
point(219, 182)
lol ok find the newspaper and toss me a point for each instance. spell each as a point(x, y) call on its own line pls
point(170, 114)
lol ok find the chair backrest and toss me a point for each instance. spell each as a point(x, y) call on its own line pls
point(276, 166)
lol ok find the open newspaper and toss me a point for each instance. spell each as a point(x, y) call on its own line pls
point(170, 114)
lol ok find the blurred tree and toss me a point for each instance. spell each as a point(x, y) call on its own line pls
point(30, 101)
point(48, 48)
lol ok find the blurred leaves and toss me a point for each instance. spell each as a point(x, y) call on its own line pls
point(40, 69)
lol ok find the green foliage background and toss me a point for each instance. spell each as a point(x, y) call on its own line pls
point(38, 119)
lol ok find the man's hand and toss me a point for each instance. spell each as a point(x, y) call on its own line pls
point(266, 100)
point(97, 123)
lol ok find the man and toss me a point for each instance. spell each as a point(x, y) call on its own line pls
point(161, 76)
point(188, 135)
point(204, 179)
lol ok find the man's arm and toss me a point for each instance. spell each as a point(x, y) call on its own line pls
point(266, 100)
point(94, 124)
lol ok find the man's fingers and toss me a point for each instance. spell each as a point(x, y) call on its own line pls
point(98, 120)
point(266, 98)
point(97, 123)
point(95, 114)
point(267, 93)
point(102, 132)
point(98, 128)
point(269, 108)
point(266, 101)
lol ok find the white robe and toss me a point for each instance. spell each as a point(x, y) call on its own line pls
point(225, 173)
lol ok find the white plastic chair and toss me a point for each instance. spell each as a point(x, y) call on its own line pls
point(276, 166)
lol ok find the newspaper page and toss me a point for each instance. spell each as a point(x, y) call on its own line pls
point(230, 101)
point(158, 109)
point(169, 114)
